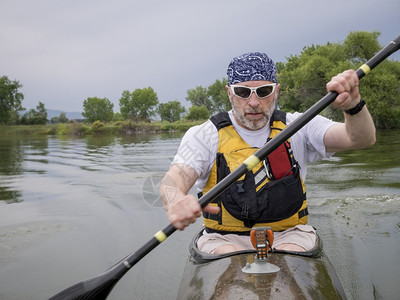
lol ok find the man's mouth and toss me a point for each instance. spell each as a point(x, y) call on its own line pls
point(254, 114)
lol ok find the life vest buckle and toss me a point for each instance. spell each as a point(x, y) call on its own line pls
point(239, 185)
point(245, 212)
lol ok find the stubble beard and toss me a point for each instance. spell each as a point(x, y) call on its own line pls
point(252, 124)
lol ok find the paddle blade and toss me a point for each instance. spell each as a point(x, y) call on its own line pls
point(96, 288)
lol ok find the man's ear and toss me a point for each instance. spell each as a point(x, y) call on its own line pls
point(228, 89)
point(277, 91)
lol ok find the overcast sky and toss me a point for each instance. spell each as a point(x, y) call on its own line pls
point(63, 52)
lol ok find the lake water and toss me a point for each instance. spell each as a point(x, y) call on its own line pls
point(72, 207)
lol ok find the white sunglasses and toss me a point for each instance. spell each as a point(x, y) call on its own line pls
point(244, 92)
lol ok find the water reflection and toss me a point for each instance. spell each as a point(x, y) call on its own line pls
point(24, 157)
point(384, 154)
point(11, 156)
point(14, 153)
point(92, 200)
point(100, 141)
point(375, 168)
point(11, 160)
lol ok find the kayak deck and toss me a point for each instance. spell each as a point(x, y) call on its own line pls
point(302, 275)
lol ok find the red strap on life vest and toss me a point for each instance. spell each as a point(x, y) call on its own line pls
point(280, 161)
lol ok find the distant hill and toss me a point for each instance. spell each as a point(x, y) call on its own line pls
point(51, 113)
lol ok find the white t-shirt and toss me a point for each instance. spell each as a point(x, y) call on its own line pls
point(199, 145)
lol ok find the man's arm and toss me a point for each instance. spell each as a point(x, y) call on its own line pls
point(182, 209)
point(358, 130)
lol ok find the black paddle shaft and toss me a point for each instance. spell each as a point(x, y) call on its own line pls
point(99, 287)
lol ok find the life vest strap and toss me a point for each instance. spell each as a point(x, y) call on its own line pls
point(210, 216)
point(209, 230)
point(302, 213)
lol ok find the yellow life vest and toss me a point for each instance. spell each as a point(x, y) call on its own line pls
point(272, 194)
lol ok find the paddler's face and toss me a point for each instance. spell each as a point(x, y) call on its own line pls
point(253, 113)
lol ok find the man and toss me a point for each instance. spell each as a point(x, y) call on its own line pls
point(273, 193)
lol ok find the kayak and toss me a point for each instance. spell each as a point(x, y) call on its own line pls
point(295, 275)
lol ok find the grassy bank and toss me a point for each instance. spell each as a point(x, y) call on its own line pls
point(96, 128)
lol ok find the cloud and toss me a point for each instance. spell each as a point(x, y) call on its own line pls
point(65, 51)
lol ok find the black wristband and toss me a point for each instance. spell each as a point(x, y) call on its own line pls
point(356, 109)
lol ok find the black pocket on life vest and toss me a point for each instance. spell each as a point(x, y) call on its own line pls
point(241, 200)
point(280, 199)
point(275, 201)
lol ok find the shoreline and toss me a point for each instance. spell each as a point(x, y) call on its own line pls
point(122, 128)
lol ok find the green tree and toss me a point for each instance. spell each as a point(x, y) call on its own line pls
point(381, 91)
point(219, 96)
point(213, 97)
point(198, 113)
point(303, 78)
point(35, 117)
point(199, 96)
point(360, 46)
point(62, 118)
point(10, 100)
point(117, 117)
point(98, 109)
point(141, 104)
point(171, 111)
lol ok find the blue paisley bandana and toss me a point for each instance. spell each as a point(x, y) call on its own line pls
point(250, 67)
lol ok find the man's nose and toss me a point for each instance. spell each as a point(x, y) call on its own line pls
point(253, 101)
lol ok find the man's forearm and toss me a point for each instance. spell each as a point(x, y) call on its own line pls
point(176, 183)
point(360, 129)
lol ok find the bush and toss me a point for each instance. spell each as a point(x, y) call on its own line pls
point(72, 129)
point(198, 113)
point(97, 127)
